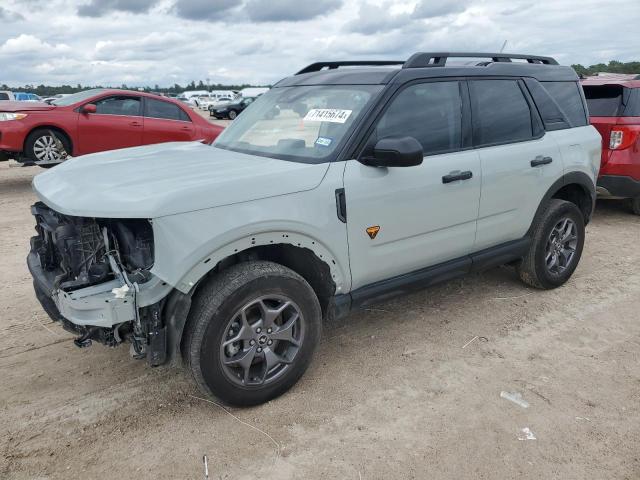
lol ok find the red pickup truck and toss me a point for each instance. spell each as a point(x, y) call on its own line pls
point(614, 110)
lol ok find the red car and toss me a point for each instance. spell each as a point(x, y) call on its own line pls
point(94, 121)
point(614, 109)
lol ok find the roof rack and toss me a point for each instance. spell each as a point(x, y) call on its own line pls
point(439, 59)
point(316, 67)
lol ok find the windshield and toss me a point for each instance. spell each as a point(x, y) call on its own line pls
point(304, 124)
point(76, 97)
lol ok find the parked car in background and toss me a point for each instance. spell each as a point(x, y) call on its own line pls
point(336, 189)
point(218, 104)
point(94, 121)
point(27, 97)
point(7, 95)
point(49, 100)
point(614, 109)
point(232, 109)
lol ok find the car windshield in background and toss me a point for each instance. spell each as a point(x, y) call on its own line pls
point(611, 101)
point(76, 97)
point(304, 124)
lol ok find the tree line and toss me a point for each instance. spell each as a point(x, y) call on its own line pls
point(613, 66)
point(176, 89)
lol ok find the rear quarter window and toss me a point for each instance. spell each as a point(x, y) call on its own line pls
point(567, 96)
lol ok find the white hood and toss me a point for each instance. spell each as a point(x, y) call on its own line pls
point(166, 179)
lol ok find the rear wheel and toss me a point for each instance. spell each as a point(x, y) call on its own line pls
point(232, 115)
point(41, 146)
point(635, 205)
point(556, 247)
point(252, 332)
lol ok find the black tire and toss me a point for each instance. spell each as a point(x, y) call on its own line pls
point(41, 133)
point(211, 320)
point(534, 269)
point(232, 114)
point(635, 205)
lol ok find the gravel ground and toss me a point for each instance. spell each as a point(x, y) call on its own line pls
point(407, 389)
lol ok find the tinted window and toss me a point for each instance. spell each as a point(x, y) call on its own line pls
point(118, 105)
point(567, 96)
point(4, 96)
point(429, 112)
point(500, 112)
point(610, 101)
point(166, 110)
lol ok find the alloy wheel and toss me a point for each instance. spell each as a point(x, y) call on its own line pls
point(561, 246)
point(262, 340)
point(46, 150)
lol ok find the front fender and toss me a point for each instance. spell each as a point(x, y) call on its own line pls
point(189, 245)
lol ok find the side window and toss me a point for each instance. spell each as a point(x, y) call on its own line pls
point(4, 96)
point(119, 105)
point(500, 112)
point(567, 95)
point(429, 112)
point(169, 111)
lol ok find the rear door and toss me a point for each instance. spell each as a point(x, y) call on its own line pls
point(519, 162)
point(117, 123)
point(166, 122)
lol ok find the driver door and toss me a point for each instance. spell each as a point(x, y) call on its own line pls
point(422, 220)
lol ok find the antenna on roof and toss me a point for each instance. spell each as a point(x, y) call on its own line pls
point(504, 45)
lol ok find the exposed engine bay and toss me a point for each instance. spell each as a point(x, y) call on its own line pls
point(76, 254)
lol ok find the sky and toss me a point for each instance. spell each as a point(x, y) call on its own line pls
point(149, 42)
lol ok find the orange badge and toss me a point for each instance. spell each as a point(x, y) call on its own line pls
point(373, 231)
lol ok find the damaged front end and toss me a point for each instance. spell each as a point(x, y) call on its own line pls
point(94, 276)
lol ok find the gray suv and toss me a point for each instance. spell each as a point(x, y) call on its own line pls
point(344, 184)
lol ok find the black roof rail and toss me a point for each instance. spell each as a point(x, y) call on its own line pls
point(439, 59)
point(316, 67)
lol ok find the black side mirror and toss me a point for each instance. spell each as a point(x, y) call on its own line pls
point(395, 152)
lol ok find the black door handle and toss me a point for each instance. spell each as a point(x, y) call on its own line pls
point(540, 160)
point(455, 176)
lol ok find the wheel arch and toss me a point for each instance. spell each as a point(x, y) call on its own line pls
point(575, 187)
point(55, 128)
point(301, 253)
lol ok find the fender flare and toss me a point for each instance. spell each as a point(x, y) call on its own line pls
point(572, 178)
point(338, 274)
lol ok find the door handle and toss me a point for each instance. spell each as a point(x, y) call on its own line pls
point(135, 124)
point(540, 160)
point(455, 176)
point(186, 128)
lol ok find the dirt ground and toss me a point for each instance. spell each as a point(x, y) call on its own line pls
point(409, 389)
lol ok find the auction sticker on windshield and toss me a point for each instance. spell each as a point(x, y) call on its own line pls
point(334, 115)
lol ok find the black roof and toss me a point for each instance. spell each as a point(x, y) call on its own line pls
point(430, 65)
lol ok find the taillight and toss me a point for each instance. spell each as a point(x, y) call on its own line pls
point(623, 137)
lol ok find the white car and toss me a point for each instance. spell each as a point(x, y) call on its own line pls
point(6, 95)
point(337, 188)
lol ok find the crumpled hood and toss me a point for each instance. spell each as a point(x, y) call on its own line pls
point(166, 179)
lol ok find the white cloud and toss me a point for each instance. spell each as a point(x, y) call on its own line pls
point(150, 42)
point(28, 43)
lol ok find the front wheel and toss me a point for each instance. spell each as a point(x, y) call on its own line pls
point(41, 146)
point(556, 247)
point(635, 205)
point(232, 115)
point(252, 332)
